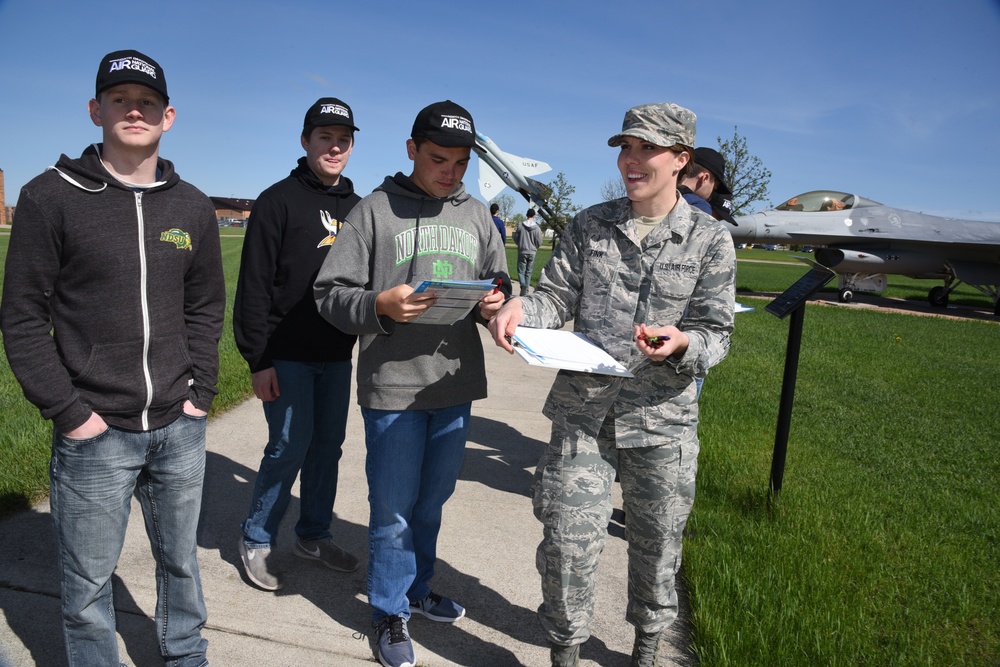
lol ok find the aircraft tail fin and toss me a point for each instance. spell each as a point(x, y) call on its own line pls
point(492, 183)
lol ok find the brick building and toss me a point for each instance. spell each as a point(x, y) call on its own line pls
point(232, 209)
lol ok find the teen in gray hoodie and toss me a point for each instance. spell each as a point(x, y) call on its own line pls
point(528, 237)
point(415, 381)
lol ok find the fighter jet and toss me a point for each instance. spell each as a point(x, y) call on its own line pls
point(862, 241)
point(497, 169)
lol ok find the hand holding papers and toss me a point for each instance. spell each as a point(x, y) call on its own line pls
point(568, 350)
point(455, 299)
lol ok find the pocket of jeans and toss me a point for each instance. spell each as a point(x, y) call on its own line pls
point(76, 442)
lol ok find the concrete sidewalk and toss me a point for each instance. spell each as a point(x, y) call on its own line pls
point(486, 561)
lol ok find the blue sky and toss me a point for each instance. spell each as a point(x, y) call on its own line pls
point(896, 101)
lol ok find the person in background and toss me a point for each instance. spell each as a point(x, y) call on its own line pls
point(702, 188)
point(498, 221)
point(300, 363)
point(528, 237)
point(705, 178)
point(113, 305)
point(650, 280)
point(416, 382)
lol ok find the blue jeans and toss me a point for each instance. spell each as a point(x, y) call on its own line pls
point(92, 482)
point(413, 461)
point(306, 427)
point(524, 264)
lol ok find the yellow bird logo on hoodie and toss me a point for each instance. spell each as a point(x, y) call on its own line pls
point(332, 225)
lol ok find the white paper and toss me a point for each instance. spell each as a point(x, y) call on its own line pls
point(568, 350)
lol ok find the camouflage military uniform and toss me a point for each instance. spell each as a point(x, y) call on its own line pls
point(602, 276)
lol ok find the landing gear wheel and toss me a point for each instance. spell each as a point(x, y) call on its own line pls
point(846, 296)
point(938, 297)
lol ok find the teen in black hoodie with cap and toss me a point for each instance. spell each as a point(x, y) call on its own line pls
point(301, 364)
point(120, 260)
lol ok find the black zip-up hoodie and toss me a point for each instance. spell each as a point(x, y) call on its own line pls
point(129, 281)
point(292, 226)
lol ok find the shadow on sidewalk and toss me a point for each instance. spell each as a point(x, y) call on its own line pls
point(508, 461)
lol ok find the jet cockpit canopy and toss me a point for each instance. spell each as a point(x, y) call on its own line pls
point(825, 200)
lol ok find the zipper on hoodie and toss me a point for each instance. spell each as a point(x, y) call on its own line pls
point(144, 300)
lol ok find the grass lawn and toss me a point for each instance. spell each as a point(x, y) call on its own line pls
point(884, 545)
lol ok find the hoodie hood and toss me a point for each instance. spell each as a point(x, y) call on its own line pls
point(89, 173)
point(309, 180)
point(419, 206)
point(403, 185)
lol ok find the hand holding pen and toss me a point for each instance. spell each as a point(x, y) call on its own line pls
point(658, 343)
point(504, 324)
point(490, 304)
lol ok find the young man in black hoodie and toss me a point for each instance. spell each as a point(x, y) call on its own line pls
point(301, 364)
point(119, 259)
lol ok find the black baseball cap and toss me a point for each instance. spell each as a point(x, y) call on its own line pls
point(130, 66)
point(446, 124)
point(722, 207)
point(713, 161)
point(330, 111)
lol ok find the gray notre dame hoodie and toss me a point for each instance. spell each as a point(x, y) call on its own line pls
point(397, 235)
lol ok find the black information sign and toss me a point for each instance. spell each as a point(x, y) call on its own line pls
point(793, 301)
point(803, 288)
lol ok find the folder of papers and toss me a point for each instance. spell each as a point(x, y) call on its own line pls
point(455, 299)
point(567, 350)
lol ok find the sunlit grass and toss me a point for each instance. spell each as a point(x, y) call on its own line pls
point(882, 548)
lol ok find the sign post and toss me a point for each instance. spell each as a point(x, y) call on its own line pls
point(792, 300)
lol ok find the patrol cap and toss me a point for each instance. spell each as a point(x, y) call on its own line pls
point(446, 124)
point(713, 161)
point(330, 111)
point(722, 207)
point(130, 66)
point(663, 124)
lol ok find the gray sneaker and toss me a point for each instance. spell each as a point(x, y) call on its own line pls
point(438, 608)
point(259, 571)
point(644, 651)
point(328, 553)
point(565, 656)
point(393, 647)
